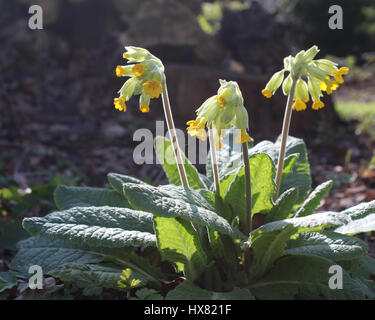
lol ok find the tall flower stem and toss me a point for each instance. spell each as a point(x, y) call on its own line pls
point(173, 135)
point(284, 136)
point(249, 223)
point(214, 160)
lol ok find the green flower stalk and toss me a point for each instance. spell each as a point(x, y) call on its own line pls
point(147, 79)
point(307, 77)
point(220, 112)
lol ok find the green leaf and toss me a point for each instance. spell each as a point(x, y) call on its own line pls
point(267, 247)
point(8, 280)
point(365, 224)
point(117, 180)
point(361, 210)
point(303, 274)
point(283, 206)
point(178, 243)
point(262, 173)
point(288, 164)
point(51, 254)
point(314, 199)
point(92, 277)
point(363, 271)
point(313, 222)
point(151, 199)
point(300, 176)
point(327, 244)
point(223, 247)
point(67, 197)
point(188, 291)
point(96, 226)
point(165, 154)
point(269, 241)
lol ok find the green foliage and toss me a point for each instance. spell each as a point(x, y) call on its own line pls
point(92, 242)
point(69, 197)
point(306, 277)
point(262, 187)
point(164, 152)
point(188, 291)
point(178, 243)
point(313, 200)
point(16, 203)
point(126, 281)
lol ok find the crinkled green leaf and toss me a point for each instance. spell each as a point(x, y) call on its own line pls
point(363, 271)
point(267, 247)
point(165, 154)
point(327, 244)
point(269, 241)
point(92, 277)
point(117, 180)
point(67, 197)
point(361, 210)
point(313, 222)
point(292, 276)
point(283, 206)
point(188, 291)
point(288, 164)
point(150, 199)
point(365, 224)
point(178, 243)
point(51, 254)
point(95, 226)
point(300, 176)
point(8, 280)
point(223, 247)
point(313, 200)
point(262, 173)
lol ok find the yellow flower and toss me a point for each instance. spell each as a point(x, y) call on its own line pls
point(339, 73)
point(318, 105)
point(138, 70)
point(267, 93)
point(328, 85)
point(196, 128)
point(120, 103)
point(120, 71)
point(144, 108)
point(299, 105)
point(221, 101)
point(242, 137)
point(153, 88)
point(219, 144)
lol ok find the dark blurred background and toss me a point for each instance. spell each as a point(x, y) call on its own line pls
point(57, 85)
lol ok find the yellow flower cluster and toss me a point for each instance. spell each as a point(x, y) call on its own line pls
point(221, 111)
point(321, 75)
point(146, 73)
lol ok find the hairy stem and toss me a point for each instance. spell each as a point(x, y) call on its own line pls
point(214, 160)
point(284, 136)
point(172, 134)
point(249, 223)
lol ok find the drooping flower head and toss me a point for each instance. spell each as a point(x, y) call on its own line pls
point(221, 111)
point(146, 74)
point(312, 78)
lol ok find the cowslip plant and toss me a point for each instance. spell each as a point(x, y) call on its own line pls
point(321, 75)
point(194, 239)
point(220, 112)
